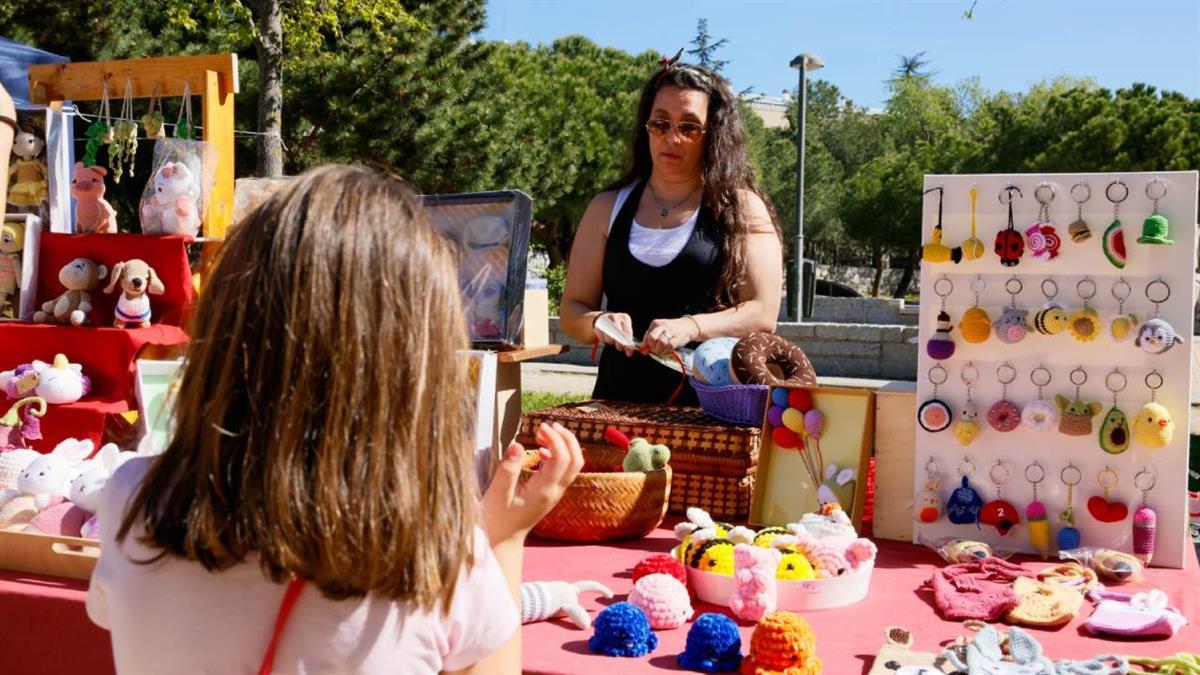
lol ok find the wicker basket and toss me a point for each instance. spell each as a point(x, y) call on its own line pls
point(735, 403)
point(603, 504)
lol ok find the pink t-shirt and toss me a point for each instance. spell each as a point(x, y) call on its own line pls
point(173, 616)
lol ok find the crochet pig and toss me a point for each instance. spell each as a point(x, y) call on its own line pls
point(92, 212)
point(173, 207)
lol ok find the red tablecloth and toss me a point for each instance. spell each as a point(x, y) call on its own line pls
point(46, 629)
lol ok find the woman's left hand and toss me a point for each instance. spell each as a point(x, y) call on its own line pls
point(666, 335)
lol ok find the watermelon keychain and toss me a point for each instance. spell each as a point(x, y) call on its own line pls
point(1041, 235)
point(941, 345)
point(1010, 245)
point(1156, 229)
point(1079, 230)
point(1035, 512)
point(1114, 431)
point(934, 415)
point(1068, 535)
point(1145, 520)
point(1114, 236)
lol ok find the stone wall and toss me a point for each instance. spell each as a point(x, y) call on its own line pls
point(860, 278)
point(864, 310)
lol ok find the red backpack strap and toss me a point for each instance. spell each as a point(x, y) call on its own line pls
point(290, 596)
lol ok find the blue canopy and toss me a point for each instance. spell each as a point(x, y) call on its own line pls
point(15, 59)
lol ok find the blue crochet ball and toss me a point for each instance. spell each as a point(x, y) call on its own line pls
point(622, 629)
point(714, 645)
point(712, 361)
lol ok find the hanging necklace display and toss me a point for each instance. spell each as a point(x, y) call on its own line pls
point(124, 146)
point(1035, 512)
point(973, 248)
point(1012, 326)
point(964, 504)
point(1068, 535)
point(976, 325)
point(934, 414)
point(1075, 415)
point(1040, 414)
point(927, 507)
point(1114, 431)
point(941, 345)
point(1145, 520)
point(1041, 235)
point(1079, 230)
point(153, 120)
point(183, 124)
point(1084, 324)
point(1114, 236)
point(1122, 327)
point(999, 513)
point(1156, 336)
point(1153, 426)
point(1009, 243)
point(1004, 415)
point(1101, 509)
point(935, 251)
point(967, 426)
point(98, 131)
point(1156, 229)
point(1051, 320)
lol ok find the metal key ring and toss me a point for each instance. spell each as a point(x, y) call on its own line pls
point(937, 368)
point(937, 285)
point(1081, 184)
point(1154, 376)
point(1082, 373)
point(1041, 472)
point(931, 471)
point(1119, 283)
point(992, 473)
point(1162, 283)
point(1003, 367)
point(1062, 475)
point(1108, 191)
point(1137, 480)
point(1040, 369)
point(1106, 471)
point(1085, 282)
point(1037, 193)
point(1008, 286)
point(968, 463)
point(978, 285)
point(1007, 192)
point(1108, 379)
point(1159, 181)
point(972, 370)
point(1053, 284)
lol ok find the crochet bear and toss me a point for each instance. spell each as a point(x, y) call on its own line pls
point(80, 277)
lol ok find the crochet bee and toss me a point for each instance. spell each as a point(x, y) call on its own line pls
point(714, 555)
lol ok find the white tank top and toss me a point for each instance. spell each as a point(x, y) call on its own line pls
point(652, 246)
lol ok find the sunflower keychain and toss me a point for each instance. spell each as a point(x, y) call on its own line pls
point(1079, 230)
point(1041, 235)
point(1114, 235)
point(940, 345)
point(1153, 427)
point(1040, 414)
point(1012, 324)
point(1156, 336)
point(1052, 319)
point(1004, 415)
point(1084, 324)
point(1114, 431)
point(934, 414)
point(976, 325)
point(967, 426)
point(1122, 327)
point(1010, 246)
point(1155, 229)
point(1068, 535)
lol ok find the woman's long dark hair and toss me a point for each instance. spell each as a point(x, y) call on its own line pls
point(724, 167)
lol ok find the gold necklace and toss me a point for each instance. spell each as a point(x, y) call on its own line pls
point(664, 210)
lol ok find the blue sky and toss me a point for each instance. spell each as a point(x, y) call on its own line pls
point(1009, 44)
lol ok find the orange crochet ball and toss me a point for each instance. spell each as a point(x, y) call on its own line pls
point(976, 325)
point(783, 644)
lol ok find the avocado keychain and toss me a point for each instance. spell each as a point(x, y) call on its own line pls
point(999, 513)
point(941, 345)
point(1035, 512)
point(973, 248)
point(967, 426)
point(934, 415)
point(1011, 326)
point(976, 325)
point(1079, 230)
point(1122, 327)
point(1068, 535)
point(1114, 431)
point(1040, 414)
point(1004, 415)
point(1010, 246)
point(1101, 509)
point(1153, 426)
point(1155, 229)
point(1075, 415)
point(1051, 320)
point(1041, 235)
point(1156, 336)
point(1114, 236)
point(964, 504)
point(1145, 520)
point(1084, 324)
point(935, 251)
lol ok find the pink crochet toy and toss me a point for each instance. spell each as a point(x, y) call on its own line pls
point(829, 556)
point(664, 600)
point(92, 212)
point(979, 589)
point(755, 592)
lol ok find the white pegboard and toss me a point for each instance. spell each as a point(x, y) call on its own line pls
point(1061, 353)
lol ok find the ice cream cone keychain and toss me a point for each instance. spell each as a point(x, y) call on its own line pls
point(1122, 327)
point(1153, 426)
point(1114, 236)
point(999, 513)
point(1145, 519)
point(1035, 512)
point(1040, 414)
point(934, 415)
point(1012, 325)
point(973, 248)
point(1004, 415)
point(1101, 509)
point(1052, 319)
point(1156, 336)
point(976, 325)
point(1068, 535)
point(1114, 431)
point(941, 345)
point(1079, 230)
point(1084, 324)
point(1041, 235)
point(967, 426)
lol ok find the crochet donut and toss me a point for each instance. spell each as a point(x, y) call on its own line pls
point(766, 358)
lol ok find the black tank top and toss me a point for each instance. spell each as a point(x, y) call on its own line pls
point(686, 285)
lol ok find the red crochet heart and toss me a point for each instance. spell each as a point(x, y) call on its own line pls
point(1106, 511)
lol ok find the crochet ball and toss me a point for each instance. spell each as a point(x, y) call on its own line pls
point(800, 399)
point(660, 563)
point(782, 643)
point(787, 439)
point(975, 326)
point(622, 630)
point(664, 600)
point(714, 645)
point(794, 419)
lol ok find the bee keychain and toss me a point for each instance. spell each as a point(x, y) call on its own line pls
point(1114, 431)
point(1068, 534)
point(1145, 520)
point(1043, 239)
point(999, 513)
point(1084, 324)
point(967, 426)
point(1035, 512)
point(1079, 230)
point(1040, 414)
point(976, 325)
point(1156, 336)
point(1051, 320)
point(1101, 509)
point(965, 503)
point(1156, 229)
point(1011, 326)
point(1004, 415)
point(973, 248)
point(1153, 426)
point(940, 345)
point(1122, 327)
point(934, 414)
point(1075, 415)
point(1010, 246)
point(1114, 236)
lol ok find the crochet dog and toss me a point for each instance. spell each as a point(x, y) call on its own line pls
point(138, 281)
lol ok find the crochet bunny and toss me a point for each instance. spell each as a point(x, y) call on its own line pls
point(927, 507)
point(541, 600)
point(831, 522)
point(88, 486)
point(48, 478)
point(755, 593)
point(174, 206)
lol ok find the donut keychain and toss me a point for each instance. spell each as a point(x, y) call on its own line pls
point(1040, 414)
point(1075, 415)
point(965, 503)
point(1156, 336)
point(1155, 229)
point(999, 513)
point(1101, 509)
point(1010, 246)
point(1052, 319)
point(973, 248)
point(976, 325)
point(1114, 236)
point(934, 251)
point(1004, 415)
point(1122, 327)
point(941, 345)
point(1145, 520)
point(1153, 426)
point(1041, 235)
point(967, 426)
point(1035, 512)
point(1012, 325)
point(934, 414)
point(927, 507)
point(1068, 534)
point(1114, 431)
point(1084, 324)
point(1079, 230)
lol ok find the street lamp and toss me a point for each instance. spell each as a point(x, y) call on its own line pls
point(803, 63)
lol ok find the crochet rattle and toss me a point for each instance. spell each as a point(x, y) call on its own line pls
point(541, 600)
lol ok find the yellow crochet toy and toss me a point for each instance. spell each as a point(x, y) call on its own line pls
point(782, 644)
point(1153, 426)
point(976, 325)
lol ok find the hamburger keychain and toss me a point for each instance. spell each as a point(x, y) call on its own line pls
point(1010, 246)
point(1079, 230)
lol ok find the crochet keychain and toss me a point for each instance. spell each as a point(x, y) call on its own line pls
point(941, 344)
point(934, 415)
point(1156, 336)
point(1068, 534)
point(183, 123)
point(973, 248)
point(1114, 236)
point(967, 426)
point(935, 251)
point(999, 513)
point(927, 507)
point(1156, 229)
point(1153, 426)
point(153, 120)
point(1101, 509)
point(1084, 324)
point(1010, 245)
point(1114, 431)
point(1012, 326)
point(1052, 319)
point(1040, 414)
point(1004, 415)
point(976, 325)
point(1043, 239)
point(1122, 327)
point(99, 132)
point(1079, 230)
point(964, 504)
point(1075, 415)
point(124, 145)
point(1035, 512)
point(1145, 520)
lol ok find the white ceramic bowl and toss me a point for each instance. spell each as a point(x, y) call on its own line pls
point(795, 596)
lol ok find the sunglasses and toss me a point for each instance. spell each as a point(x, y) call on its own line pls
point(689, 131)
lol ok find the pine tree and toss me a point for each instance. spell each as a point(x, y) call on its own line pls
point(706, 47)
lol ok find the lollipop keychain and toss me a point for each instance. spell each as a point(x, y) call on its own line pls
point(1145, 520)
point(1004, 415)
point(1153, 426)
point(1043, 239)
point(1035, 512)
point(1075, 415)
point(934, 414)
point(1156, 336)
point(935, 251)
point(1114, 236)
point(1009, 243)
point(999, 513)
point(973, 248)
point(1084, 324)
point(964, 504)
point(927, 507)
point(1156, 229)
point(941, 344)
point(1040, 414)
point(1051, 320)
point(1011, 326)
point(976, 325)
point(1122, 327)
point(1114, 431)
point(1068, 535)
point(967, 426)
point(1079, 230)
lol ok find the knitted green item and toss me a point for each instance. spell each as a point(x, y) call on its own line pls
point(1156, 230)
point(644, 457)
point(1114, 244)
point(1180, 664)
point(95, 134)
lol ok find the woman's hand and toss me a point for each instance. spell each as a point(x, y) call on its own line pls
point(624, 323)
point(511, 509)
point(666, 335)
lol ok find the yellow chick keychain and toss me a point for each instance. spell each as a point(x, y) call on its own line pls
point(1153, 426)
point(967, 426)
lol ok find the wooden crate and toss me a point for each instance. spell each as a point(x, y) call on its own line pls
point(895, 452)
point(44, 554)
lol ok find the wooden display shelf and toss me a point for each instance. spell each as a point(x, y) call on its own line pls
point(37, 553)
point(528, 354)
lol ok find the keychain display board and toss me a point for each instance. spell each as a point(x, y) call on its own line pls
point(991, 453)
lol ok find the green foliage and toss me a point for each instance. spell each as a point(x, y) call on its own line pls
point(539, 400)
point(556, 278)
point(705, 47)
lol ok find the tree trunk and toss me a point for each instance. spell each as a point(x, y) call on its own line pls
point(877, 262)
point(269, 47)
point(906, 277)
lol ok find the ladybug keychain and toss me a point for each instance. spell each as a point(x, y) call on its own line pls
point(1010, 245)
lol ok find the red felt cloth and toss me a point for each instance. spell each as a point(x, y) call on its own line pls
point(46, 628)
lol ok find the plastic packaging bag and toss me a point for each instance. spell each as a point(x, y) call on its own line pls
point(1110, 565)
point(177, 193)
point(959, 550)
